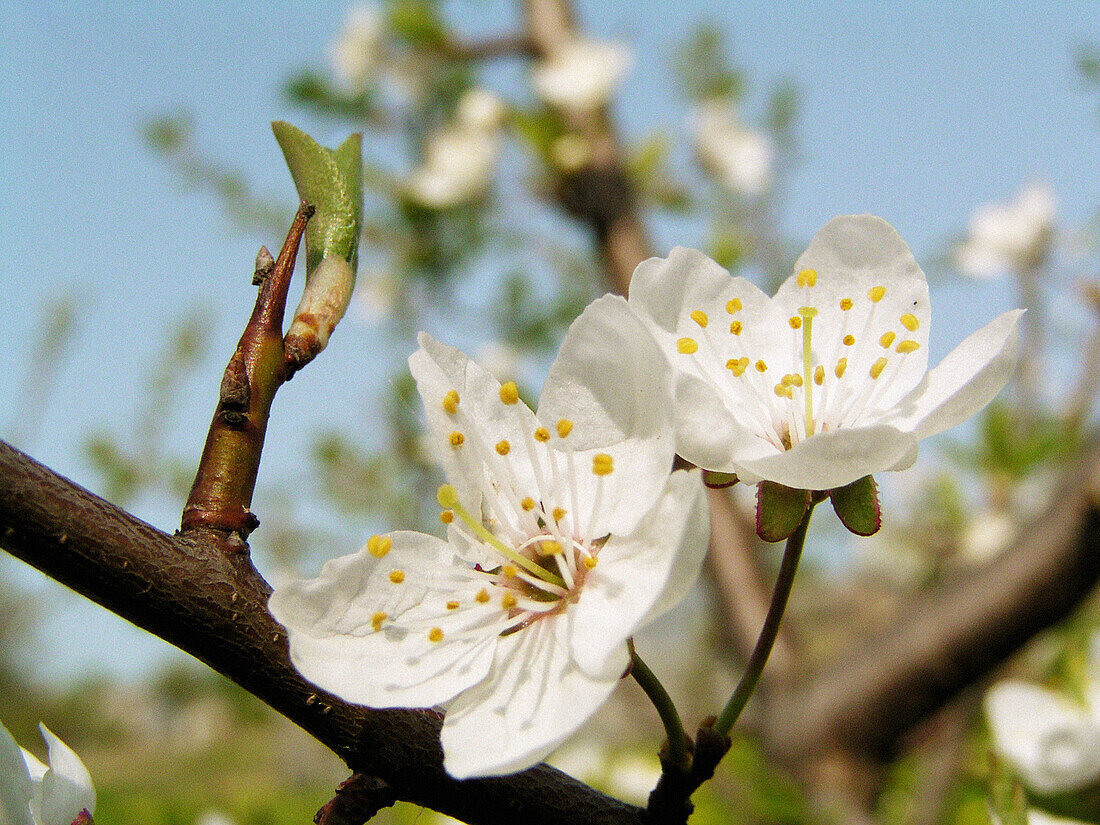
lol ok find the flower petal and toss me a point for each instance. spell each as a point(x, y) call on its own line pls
point(965, 381)
point(534, 698)
point(609, 380)
point(364, 628)
point(641, 575)
point(66, 789)
point(16, 789)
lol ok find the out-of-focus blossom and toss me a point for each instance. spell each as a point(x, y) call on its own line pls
point(356, 53)
point(214, 817)
point(582, 74)
point(632, 775)
point(986, 535)
point(31, 793)
point(1051, 741)
point(739, 157)
point(459, 158)
point(502, 360)
point(1009, 237)
point(375, 294)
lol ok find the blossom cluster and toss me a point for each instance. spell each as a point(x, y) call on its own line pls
point(567, 528)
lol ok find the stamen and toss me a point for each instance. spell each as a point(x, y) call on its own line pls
point(549, 547)
point(849, 340)
point(687, 346)
point(841, 365)
point(699, 317)
point(795, 322)
point(447, 516)
point(907, 346)
point(542, 434)
point(602, 464)
point(565, 426)
point(509, 571)
point(377, 619)
point(808, 314)
point(397, 576)
point(527, 504)
point(503, 447)
point(761, 366)
point(457, 439)
point(783, 391)
point(450, 402)
point(807, 277)
point(590, 562)
point(876, 293)
point(452, 605)
point(509, 392)
point(736, 327)
point(845, 304)
point(378, 546)
point(819, 375)
point(733, 305)
point(887, 339)
point(482, 596)
point(909, 321)
point(737, 365)
point(508, 600)
point(878, 367)
point(435, 634)
point(559, 513)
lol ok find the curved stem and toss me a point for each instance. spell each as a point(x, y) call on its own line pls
point(783, 583)
point(674, 728)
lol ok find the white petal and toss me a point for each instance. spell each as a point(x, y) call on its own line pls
point(965, 381)
point(533, 699)
point(641, 575)
point(832, 459)
point(1053, 745)
point(609, 379)
point(335, 645)
point(66, 789)
point(16, 789)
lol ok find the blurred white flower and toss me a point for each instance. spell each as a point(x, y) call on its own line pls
point(35, 794)
point(631, 776)
point(375, 294)
point(740, 158)
point(214, 817)
point(500, 359)
point(582, 74)
point(357, 51)
point(1053, 743)
point(1009, 237)
point(459, 158)
point(987, 534)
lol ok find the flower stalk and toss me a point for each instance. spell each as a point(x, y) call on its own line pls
point(666, 709)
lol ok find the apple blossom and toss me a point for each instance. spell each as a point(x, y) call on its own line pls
point(827, 382)
point(1013, 236)
point(581, 74)
point(35, 794)
point(565, 534)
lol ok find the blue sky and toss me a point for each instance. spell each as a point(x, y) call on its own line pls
point(917, 112)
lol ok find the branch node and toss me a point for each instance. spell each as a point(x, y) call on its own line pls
point(358, 798)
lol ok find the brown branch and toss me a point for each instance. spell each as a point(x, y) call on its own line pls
point(516, 45)
point(213, 605)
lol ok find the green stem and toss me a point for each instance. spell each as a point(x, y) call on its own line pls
point(674, 728)
point(783, 583)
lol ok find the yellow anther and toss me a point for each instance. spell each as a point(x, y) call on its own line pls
point(699, 317)
point(397, 576)
point(878, 367)
point(377, 619)
point(733, 305)
point(378, 546)
point(845, 304)
point(503, 447)
point(795, 380)
point(457, 439)
point(849, 340)
point(527, 504)
point(907, 346)
point(737, 365)
point(686, 346)
point(795, 322)
point(819, 375)
point(447, 496)
point(910, 322)
point(783, 391)
point(589, 562)
point(559, 513)
point(549, 547)
point(807, 277)
point(482, 596)
point(736, 327)
point(435, 634)
point(761, 366)
point(542, 434)
point(509, 571)
point(602, 464)
point(509, 392)
point(508, 600)
point(875, 293)
point(565, 426)
point(887, 339)
point(447, 516)
point(452, 605)
point(450, 402)
point(841, 365)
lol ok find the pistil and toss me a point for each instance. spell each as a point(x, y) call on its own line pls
point(808, 314)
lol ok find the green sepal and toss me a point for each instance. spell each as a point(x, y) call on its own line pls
point(331, 180)
point(719, 481)
point(779, 510)
point(857, 506)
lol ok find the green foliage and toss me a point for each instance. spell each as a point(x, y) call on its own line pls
point(312, 90)
point(704, 68)
point(1015, 446)
point(418, 22)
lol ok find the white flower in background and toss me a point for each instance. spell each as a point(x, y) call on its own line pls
point(1052, 742)
point(566, 533)
point(582, 74)
point(357, 51)
point(375, 294)
point(987, 534)
point(1009, 237)
point(631, 776)
point(35, 794)
point(459, 158)
point(215, 817)
point(500, 359)
point(826, 382)
point(740, 158)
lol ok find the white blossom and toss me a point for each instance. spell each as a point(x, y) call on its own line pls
point(357, 51)
point(566, 533)
point(826, 382)
point(35, 794)
point(1009, 237)
point(581, 75)
point(739, 157)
